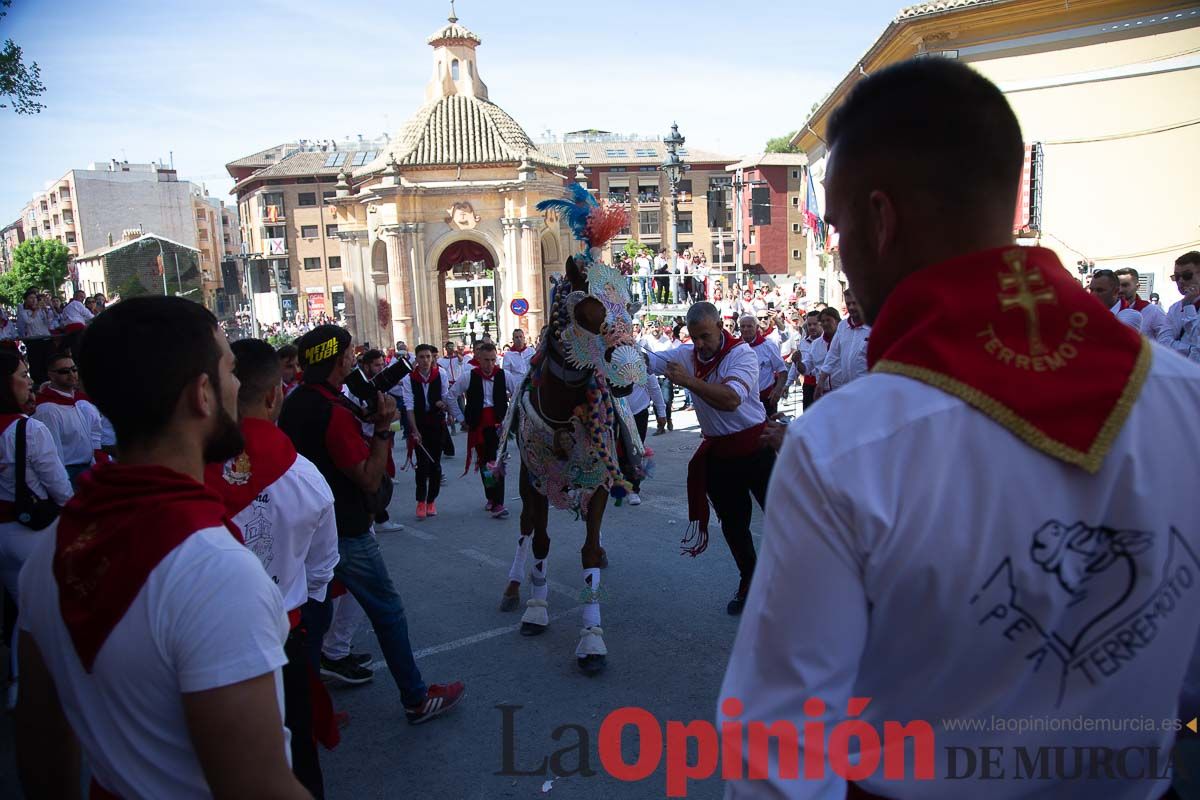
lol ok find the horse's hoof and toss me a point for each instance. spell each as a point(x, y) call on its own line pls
point(592, 665)
point(530, 629)
point(510, 602)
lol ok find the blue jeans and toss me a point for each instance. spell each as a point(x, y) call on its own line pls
point(365, 576)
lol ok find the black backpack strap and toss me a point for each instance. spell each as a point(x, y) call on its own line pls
point(22, 496)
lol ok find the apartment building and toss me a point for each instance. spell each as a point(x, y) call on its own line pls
point(281, 194)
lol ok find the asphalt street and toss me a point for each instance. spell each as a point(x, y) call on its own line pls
point(664, 623)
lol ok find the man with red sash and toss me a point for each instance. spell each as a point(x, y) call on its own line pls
point(73, 422)
point(516, 362)
point(486, 393)
point(772, 371)
point(847, 357)
point(151, 638)
point(1153, 318)
point(423, 392)
point(989, 539)
point(731, 466)
point(284, 508)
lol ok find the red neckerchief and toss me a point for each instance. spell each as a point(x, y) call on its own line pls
point(418, 378)
point(854, 325)
point(520, 349)
point(758, 339)
point(828, 337)
point(123, 520)
point(52, 395)
point(703, 369)
point(267, 457)
point(478, 369)
point(1137, 304)
point(1010, 332)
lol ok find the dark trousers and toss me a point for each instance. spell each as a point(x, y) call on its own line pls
point(429, 457)
point(668, 392)
point(297, 706)
point(37, 353)
point(771, 405)
point(448, 440)
point(732, 482)
point(641, 420)
point(809, 395)
point(491, 446)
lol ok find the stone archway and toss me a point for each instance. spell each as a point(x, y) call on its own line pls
point(469, 261)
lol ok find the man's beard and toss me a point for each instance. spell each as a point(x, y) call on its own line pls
point(227, 440)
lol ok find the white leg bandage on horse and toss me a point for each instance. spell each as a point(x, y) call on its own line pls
point(537, 577)
point(517, 571)
point(591, 597)
point(537, 612)
point(591, 642)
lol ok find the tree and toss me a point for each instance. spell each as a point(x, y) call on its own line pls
point(782, 144)
point(20, 83)
point(36, 264)
point(634, 248)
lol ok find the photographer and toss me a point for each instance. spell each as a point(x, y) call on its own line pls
point(325, 429)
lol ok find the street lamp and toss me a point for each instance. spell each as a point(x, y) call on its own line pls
point(674, 168)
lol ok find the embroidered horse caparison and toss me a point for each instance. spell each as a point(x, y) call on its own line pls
point(577, 440)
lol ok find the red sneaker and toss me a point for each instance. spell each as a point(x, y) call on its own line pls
point(421, 512)
point(438, 700)
point(430, 509)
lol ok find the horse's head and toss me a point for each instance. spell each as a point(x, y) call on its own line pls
point(594, 320)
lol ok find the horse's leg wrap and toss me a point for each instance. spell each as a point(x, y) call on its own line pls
point(516, 572)
point(591, 597)
point(541, 589)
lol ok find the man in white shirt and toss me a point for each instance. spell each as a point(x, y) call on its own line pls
point(75, 315)
point(73, 422)
point(901, 583)
point(772, 371)
point(639, 401)
point(643, 271)
point(1152, 318)
point(1104, 287)
point(731, 467)
point(516, 361)
point(1182, 331)
point(847, 357)
point(151, 638)
point(657, 339)
point(284, 508)
point(811, 350)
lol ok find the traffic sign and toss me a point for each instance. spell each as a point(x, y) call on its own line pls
point(519, 306)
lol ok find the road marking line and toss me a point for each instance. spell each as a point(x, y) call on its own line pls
point(484, 558)
point(429, 537)
point(467, 641)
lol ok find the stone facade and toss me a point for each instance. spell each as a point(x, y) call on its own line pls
point(461, 181)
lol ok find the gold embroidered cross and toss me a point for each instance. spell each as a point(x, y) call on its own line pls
point(1030, 290)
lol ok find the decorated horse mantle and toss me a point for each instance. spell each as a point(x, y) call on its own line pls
point(597, 446)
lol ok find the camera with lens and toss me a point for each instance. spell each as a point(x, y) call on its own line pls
point(368, 390)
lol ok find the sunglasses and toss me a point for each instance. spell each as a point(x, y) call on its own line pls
point(1183, 276)
point(65, 370)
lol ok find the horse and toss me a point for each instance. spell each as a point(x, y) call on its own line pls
point(568, 420)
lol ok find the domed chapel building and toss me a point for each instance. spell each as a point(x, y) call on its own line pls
point(453, 196)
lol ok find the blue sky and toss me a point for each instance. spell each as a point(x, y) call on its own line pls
point(215, 80)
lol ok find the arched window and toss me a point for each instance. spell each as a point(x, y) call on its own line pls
point(454, 69)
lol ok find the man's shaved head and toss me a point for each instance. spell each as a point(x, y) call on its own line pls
point(925, 159)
